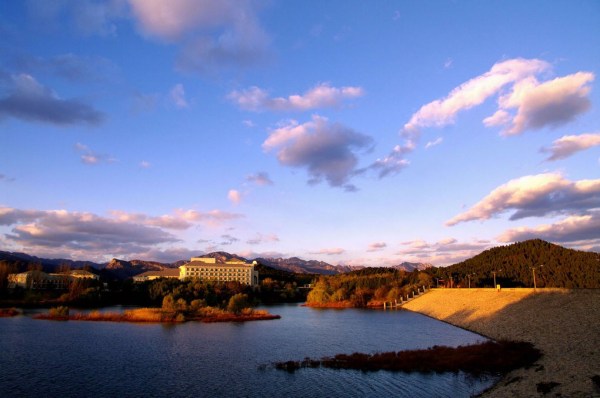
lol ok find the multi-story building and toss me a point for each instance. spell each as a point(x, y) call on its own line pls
point(43, 280)
point(233, 270)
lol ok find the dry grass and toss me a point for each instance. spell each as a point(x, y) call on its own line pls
point(487, 357)
point(157, 315)
point(9, 312)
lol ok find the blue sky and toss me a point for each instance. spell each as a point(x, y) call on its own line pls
point(353, 132)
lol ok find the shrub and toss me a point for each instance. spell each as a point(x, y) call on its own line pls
point(59, 312)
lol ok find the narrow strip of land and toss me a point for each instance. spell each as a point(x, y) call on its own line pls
point(563, 324)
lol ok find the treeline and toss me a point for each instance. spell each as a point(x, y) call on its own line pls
point(555, 266)
point(275, 286)
point(365, 287)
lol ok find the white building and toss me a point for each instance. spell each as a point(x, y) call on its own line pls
point(207, 268)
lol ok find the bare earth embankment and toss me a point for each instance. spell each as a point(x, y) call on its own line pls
point(563, 324)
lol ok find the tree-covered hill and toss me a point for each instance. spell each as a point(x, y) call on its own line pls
point(513, 264)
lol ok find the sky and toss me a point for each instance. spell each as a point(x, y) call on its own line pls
point(352, 132)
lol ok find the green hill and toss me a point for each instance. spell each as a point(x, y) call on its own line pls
point(562, 267)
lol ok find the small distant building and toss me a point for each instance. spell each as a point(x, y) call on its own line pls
point(41, 280)
point(151, 275)
point(83, 274)
point(207, 268)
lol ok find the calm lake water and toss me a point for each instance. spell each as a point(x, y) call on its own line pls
point(103, 359)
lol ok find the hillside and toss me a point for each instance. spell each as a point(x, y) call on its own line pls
point(22, 261)
point(562, 267)
point(297, 265)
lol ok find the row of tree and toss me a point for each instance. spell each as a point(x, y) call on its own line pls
point(359, 288)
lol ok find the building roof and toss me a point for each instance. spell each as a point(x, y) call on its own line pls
point(223, 265)
point(163, 273)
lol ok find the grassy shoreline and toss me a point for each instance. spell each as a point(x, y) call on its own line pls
point(157, 315)
point(490, 357)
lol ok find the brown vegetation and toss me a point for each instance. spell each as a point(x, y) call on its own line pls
point(157, 315)
point(9, 312)
point(488, 357)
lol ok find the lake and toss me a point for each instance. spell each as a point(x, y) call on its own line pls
point(96, 359)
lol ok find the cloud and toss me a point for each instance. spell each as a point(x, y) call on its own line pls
point(28, 100)
point(212, 217)
point(177, 95)
point(228, 240)
point(474, 92)
point(535, 196)
point(568, 145)
point(514, 82)
point(164, 221)
point(261, 178)
point(444, 252)
point(260, 239)
point(90, 157)
point(87, 17)
point(327, 150)
point(72, 67)
point(376, 246)
point(330, 251)
point(6, 178)
point(575, 229)
point(395, 161)
point(321, 96)
point(435, 142)
point(79, 231)
point(552, 103)
point(234, 196)
point(61, 233)
point(248, 123)
point(144, 164)
point(214, 33)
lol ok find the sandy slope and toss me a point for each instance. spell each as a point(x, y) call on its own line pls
point(564, 324)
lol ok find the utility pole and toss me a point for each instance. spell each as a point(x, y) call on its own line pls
point(533, 270)
point(495, 272)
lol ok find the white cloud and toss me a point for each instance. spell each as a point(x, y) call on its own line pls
point(552, 103)
point(327, 150)
point(537, 105)
point(474, 92)
point(330, 251)
point(144, 164)
point(444, 252)
point(177, 95)
point(568, 145)
point(321, 96)
point(261, 178)
point(535, 195)
point(214, 33)
point(90, 157)
point(576, 229)
point(260, 239)
point(234, 196)
point(435, 142)
point(86, 235)
point(376, 246)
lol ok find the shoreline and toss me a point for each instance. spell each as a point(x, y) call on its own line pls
point(562, 323)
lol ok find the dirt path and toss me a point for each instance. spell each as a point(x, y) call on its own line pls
point(564, 324)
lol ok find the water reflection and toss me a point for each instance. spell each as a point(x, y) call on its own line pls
point(223, 359)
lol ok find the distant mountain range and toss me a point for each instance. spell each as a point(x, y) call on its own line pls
point(515, 260)
point(122, 269)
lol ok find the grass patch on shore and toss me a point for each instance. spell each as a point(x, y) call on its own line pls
point(9, 312)
point(158, 315)
point(488, 357)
